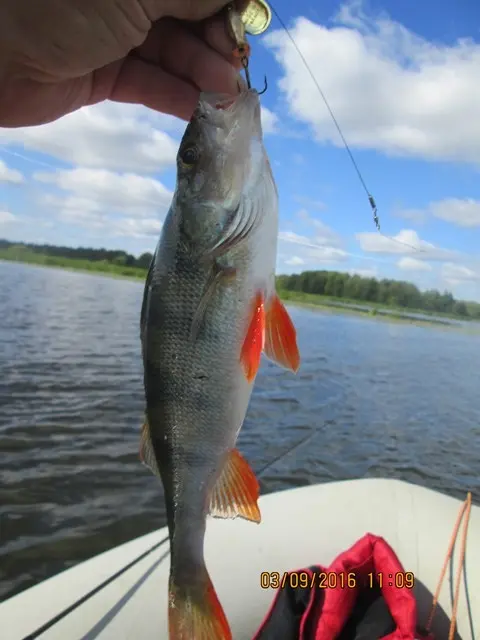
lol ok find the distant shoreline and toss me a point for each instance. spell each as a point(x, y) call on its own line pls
point(82, 266)
point(300, 299)
point(367, 309)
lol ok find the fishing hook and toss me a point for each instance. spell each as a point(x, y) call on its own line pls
point(236, 28)
point(371, 200)
point(244, 61)
point(265, 86)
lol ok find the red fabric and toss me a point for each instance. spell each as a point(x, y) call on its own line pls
point(371, 554)
point(328, 609)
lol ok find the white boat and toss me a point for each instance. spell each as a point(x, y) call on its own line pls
point(300, 527)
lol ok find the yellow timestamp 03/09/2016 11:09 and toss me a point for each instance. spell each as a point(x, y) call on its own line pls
point(334, 580)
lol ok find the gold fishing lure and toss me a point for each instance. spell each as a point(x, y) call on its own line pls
point(256, 17)
point(254, 20)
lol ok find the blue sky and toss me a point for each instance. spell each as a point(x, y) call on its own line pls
point(402, 80)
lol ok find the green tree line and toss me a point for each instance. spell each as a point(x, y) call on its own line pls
point(332, 284)
point(390, 293)
point(116, 257)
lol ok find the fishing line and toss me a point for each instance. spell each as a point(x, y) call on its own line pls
point(295, 445)
point(32, 160)
point(311, 434)
point(40, 630)
point(65, 612)
point(146, 201)
point(370, 197)
point(95, 590)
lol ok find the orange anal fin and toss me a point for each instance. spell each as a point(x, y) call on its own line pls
point(281, 336)
point(254, 340)
point(196, 615)
point(147, 454)
point(236, 491)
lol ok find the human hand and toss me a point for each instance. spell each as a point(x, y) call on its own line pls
point(59, 55)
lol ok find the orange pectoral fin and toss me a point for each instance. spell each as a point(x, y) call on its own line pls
point(236, 491)
point(254, 340)
point(281, 336)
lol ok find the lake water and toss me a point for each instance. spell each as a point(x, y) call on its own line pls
point(372, 398)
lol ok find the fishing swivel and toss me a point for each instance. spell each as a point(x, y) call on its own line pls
point(254, 20)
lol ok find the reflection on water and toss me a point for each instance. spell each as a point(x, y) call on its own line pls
point(371, 399)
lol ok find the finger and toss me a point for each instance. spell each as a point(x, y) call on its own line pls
point(215, 34)
point(186, 9)
point(182, 54)
point(140, 82)
point(34, 103)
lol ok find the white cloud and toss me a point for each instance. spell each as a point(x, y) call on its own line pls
point(295, 261)
point(269, 121)
point(313, 252)
point(407, 241)
point(465, 213)
point(97, 189)
point(120, 204)
point(9, 175)
point(322, 234)
point(6, 217)
point(456, 273)
point(76, 210)
point(113, 136)
point(135, 228)
point(291, 236)
point(317, 242)
point(107, 135)
point(416, 216)
point(323, 247)
point(390, 89)
point(364, 273)
point(412, 264)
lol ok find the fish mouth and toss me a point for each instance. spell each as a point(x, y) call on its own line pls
point(225, 100)
point(221, 109)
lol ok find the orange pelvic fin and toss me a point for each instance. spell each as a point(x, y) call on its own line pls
point(236, 491)
point(255, 339)
point(193, 615)
point(281, 336)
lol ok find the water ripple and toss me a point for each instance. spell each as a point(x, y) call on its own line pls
point(371, 399)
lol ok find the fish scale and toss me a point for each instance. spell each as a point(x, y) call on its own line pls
point(209, 310)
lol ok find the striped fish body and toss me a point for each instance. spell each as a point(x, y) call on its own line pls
point(209, 310)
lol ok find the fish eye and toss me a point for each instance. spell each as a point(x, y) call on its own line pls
point(189, 156)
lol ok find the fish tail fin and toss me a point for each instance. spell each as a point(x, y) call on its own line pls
point(195, 613)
